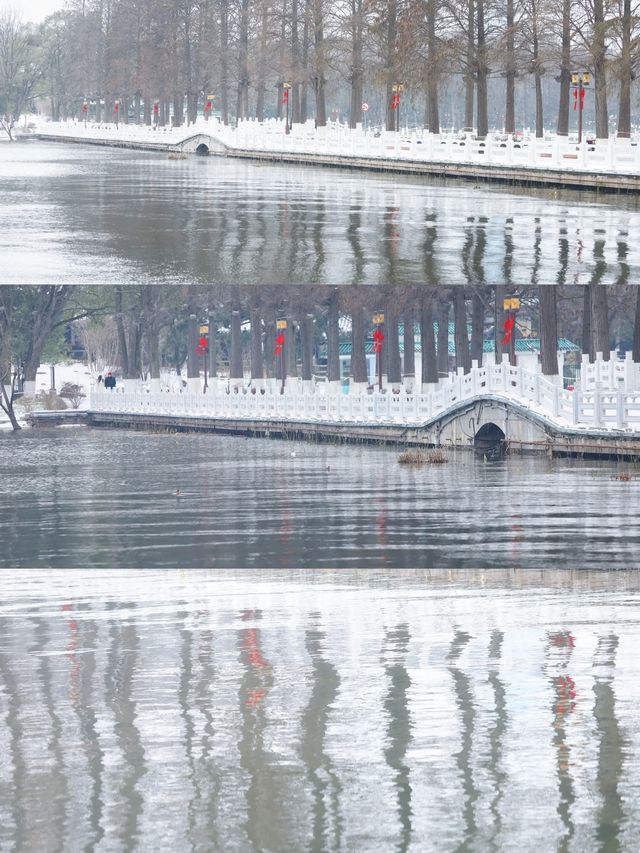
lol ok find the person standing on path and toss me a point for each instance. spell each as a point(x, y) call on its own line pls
point(110, 381)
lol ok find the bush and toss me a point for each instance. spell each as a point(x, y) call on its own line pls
point(74, 393)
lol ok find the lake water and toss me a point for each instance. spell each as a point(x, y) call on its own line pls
point(82, 214)
point(335, 710)
point(91, 498)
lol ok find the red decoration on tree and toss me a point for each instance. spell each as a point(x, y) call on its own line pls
point(378, 338)
point(509, 325)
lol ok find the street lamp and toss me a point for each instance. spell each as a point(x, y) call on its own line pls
point(397, 89)
point(281, 326)
point(286, 88)
point(579, 80)
point(202, 349)
point(378, 338)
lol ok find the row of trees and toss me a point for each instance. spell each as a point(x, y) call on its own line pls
point(332, 54)
point(142, 328)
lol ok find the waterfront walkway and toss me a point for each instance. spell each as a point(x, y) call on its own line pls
point(497, 403)
point(609, 164)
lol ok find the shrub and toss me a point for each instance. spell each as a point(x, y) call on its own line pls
point(74, 393)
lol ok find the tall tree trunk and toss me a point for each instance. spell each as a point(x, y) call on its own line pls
point(224, 60)
point(636, 328)
point(390, 61)
point(599, 70)
point(306, 342)
point(477, 328)
point(443, 335)
point(242, 110)
point(600, 320)
point(409, 344)
point(262, 62)
point(333, 343)
point(587, 348)
point(463, 358)
point(392, 346)
point(357, 68)
point(320, 70)
point(193, 366)
point(548, 329)
point(482, 72)
point(624, 106)
point(123, 354)
point(235, 362)
point(433, 76)
point(304, 88)
point(295, 64)
point(500, 291)
point(565, 70)
point(257, 365)
point(471, 65)
point(537, 70)
point(510, 71)
point(429, 367)
point(358, 357)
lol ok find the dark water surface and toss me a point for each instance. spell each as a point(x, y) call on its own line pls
point(83, 214)
point(77, 497)
point(318, 711)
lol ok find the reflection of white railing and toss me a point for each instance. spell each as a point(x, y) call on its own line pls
point(615, 405)
point(615, 156)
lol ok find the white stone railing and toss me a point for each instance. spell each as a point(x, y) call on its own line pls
point(600, 407)
point(553, 153)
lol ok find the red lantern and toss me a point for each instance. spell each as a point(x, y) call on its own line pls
point(378, 338)
point(279, 343)
point(203, 343)
point(85, 107)
point(509, 325)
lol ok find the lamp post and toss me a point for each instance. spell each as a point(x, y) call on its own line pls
point(397, 89)
point(203, 349)
point(378, 338)
point(286, 88)
point(281, 326)
point(208, 108)
point(156, 112)
point(85, 110)
point(579, 80)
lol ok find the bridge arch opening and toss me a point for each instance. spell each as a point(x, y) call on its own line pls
point(202, 150)
point(490, 440)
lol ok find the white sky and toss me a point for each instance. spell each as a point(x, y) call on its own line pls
point(32, 10)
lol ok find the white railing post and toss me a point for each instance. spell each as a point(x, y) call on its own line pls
point(620, 405)
point(577, 393)
point(597, 406)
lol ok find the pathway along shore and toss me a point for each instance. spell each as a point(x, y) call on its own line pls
point(612, 167)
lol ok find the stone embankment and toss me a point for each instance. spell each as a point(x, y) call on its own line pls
point(611, 165)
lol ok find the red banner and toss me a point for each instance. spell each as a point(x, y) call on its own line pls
point(509, 325)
